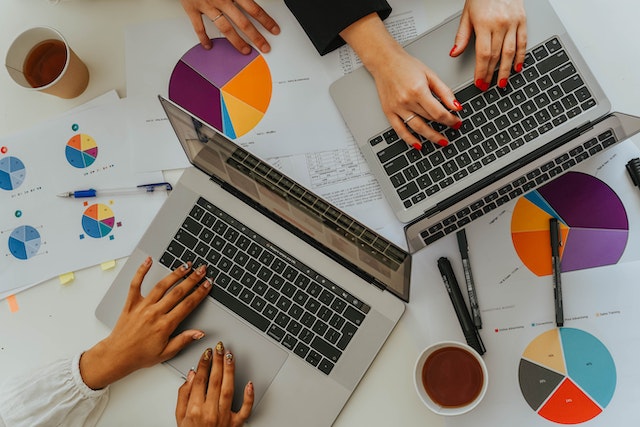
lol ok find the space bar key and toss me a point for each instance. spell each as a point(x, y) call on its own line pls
point(229, 301)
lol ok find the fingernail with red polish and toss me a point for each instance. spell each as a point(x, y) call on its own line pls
point(518, 67)
point(457, 125)
point(417, 146)
point(443, 143)
point(482, 85)
point(457, 104)
point(502, 83)
point(453, 49)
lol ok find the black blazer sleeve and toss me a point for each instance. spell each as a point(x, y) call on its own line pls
point(323, 20)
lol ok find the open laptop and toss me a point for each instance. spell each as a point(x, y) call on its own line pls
point(303, 295)
point(511, 141)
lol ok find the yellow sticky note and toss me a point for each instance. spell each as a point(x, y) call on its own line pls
point(13, 303)
point(67, 278)
point(109, 265)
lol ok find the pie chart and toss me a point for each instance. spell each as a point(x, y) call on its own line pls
point(226, 89)
point(81, 151)
point(567, 376)
point(12, 173)
point(593, 223)
point(24, 242)
point(98, 220)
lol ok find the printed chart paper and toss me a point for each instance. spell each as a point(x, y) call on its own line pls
point(584, 373)
point(43, 235)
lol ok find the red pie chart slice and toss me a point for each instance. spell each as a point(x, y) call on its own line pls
point(569, 405)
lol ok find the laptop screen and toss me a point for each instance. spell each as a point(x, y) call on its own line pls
point(298, 209)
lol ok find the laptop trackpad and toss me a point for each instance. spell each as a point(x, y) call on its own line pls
point(257, 359)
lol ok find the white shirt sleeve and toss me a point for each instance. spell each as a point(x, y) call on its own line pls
point(53, 395)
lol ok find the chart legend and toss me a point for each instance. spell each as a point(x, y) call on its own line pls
point(228, 90)
point(593, 224)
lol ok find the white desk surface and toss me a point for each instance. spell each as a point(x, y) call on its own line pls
point(57, 320)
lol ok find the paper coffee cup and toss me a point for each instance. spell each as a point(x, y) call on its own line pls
point(450, 378)
point(41, 59)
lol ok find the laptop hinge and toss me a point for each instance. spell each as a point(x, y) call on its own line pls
point(501, 173)
point(298, 233)
point(217, 180)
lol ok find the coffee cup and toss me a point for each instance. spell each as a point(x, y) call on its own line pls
point(450, 378)
point(41, 59)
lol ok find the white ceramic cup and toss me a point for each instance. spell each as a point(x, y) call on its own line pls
point(70, 82)
point(455, 376)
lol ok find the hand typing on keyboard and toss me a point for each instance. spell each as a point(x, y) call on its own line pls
point(500, 27)
point(142, 336)
point(409, 90)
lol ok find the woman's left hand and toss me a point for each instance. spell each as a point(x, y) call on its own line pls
point(500, 27)
point(206, 396)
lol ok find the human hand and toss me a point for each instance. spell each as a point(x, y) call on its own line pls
point(142, 334)
point(406, 87)
point(501, 36)
point(406, 91)
point(205, 397)
point(227, 15)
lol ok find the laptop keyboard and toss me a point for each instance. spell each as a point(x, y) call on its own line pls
point(548, 92)
point(518, 187)
point(288, 301)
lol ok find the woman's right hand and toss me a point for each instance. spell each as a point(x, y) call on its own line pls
point(227, 15)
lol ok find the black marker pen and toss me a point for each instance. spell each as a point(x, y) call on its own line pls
point(453, 289)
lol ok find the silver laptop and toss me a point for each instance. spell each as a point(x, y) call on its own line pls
point(511, 141)
point(303, 295)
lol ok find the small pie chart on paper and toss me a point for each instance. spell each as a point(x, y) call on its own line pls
point(221, 86)
point(24, 242)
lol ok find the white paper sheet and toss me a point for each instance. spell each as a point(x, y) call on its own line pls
point(517, 306)
point(42, 235)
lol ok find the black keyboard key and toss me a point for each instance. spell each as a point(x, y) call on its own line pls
point(326, 349)
point(301, 350)
point(289, 342)
point(396, 165)
point(192, 226)
point(467, 93)
point(188, 240)
point(348, 331)
point(554, 61)
point(325, 366)
point(313, 358)
point(232, 303)
point(392, 151)
point(168, 260)
point(354, 315)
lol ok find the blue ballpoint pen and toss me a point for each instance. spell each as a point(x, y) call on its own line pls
point(144, 188)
